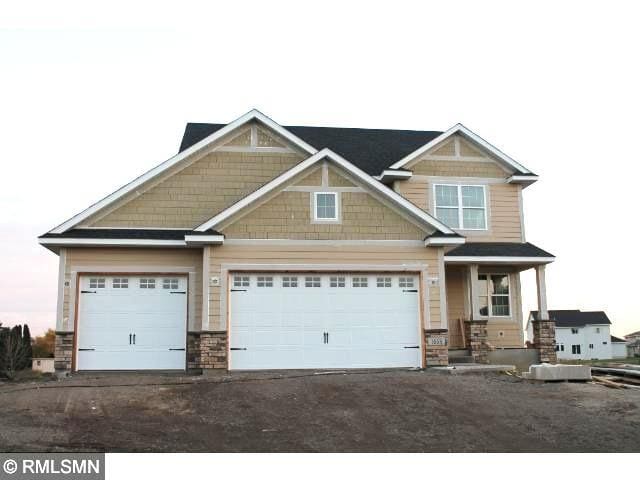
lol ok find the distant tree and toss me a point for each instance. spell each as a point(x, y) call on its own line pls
point(44, 345)
point(26, 340)
point(14, 352)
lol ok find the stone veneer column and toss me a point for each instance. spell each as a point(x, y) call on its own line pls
point(544, 339)
point(193, 351)
point(63, 351)
point(436, 343)
point(477, 340)
point(213, 350)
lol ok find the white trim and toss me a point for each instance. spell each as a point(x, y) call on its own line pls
point(526, 179)
point(62, 265)
point(464, 131)
point(355, 171)
point(336, 207)
point(87, 242)
point(489, 295)
point(206, 271)
point(73, 293)
point(302, 188)
point(323, 267)
point(191, 302)
point(331, 243)
point(527, 260)
point(247, 117)
point(460, 180)
point(134, 269)
point(460, 208)
point(393, 175)
point(204, 239)
point(444, 314)
point(437, 241)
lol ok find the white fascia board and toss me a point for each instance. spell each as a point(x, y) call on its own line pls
point(101, 242)
point(526, 179)
point(454, 259)
point(461, 129)
point(337, 159)
point(437, 241)
point(247, 117)
point(390, 175)
point(204, 239)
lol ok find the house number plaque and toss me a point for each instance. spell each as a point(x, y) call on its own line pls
point(437, 340)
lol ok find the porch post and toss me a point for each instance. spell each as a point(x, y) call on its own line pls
point(476, 333)
point(544, 328)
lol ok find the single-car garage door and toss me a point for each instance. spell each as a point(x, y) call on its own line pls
point(324, 321)
point(132, 322)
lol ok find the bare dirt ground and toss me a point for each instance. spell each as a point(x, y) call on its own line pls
point(374, 411)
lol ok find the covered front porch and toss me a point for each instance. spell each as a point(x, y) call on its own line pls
point(484, 299)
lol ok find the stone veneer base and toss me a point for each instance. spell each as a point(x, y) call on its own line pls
point(436, 353)
point(544, 339)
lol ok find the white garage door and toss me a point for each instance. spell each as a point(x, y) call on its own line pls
point(324, 321)
point(132, 323)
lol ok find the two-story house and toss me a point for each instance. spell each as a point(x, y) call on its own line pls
point(582, 335)
point(260, 246)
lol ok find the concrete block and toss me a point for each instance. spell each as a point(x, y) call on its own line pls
point(548, 372)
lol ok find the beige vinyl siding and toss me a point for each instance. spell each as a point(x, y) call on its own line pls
point(198, 192)
point(288, 215)
point(126, 258)
point(456, 292)
point(458, 168)
point(266, 255)
point(511, 330)
point(338, 180)
point(313, 179)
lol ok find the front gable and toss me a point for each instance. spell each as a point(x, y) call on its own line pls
point(288, 213)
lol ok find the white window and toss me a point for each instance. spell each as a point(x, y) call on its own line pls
point(239, 281)
point(494, 295)
point(461, 206)
point(406, 282)
point(575, 349)
point(148, 283)
point(325, 206)
point(265, 282)
point(97, 283)
point(290, 282)
point(560, 347)
point(170, 283)
point(120, 283)
point(383, 282)
point(312, 282)
point(591, 346)
point(597, 329)
point(359, 282)
point(574, 331)
point(337, 282)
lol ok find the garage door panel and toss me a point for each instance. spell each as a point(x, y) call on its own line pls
point(339, 326)
point(109, 319)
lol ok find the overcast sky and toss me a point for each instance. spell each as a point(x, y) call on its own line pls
point(91, 98)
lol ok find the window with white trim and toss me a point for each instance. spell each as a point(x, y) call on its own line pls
point(597, 329)
point(265, 282)
point(461, 206)
point(312, 282)
point(574, 331)
point(239, 281)
point(120, 283)
point(337, 282)
point(290, 282)
point(359, 282)
point(406, 282)
point(591, 346)
point(575, 349)
point(494, 295)
point(560, 347)
point(148, 283)
point(170, 283)
point(325, 206)
point(97, 283)
point(383, 282)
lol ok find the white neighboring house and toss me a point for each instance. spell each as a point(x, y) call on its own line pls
point(582, 335)
point(44, 365)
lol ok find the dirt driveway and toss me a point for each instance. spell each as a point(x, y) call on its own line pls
point(384, 411)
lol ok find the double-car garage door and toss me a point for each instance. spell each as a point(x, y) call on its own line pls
point(276, 321)
point(311, 320)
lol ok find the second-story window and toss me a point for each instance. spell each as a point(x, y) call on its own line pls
point(325, 206)
point(461, 206)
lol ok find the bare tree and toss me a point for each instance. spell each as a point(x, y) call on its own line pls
point(14, 354)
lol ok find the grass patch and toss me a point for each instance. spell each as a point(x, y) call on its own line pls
point(621, 361)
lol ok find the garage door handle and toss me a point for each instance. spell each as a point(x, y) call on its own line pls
point(237, 290)
point(181, 293)
point(88, 291)
point(417, 346)
point(236, 348)
point(177, 349)
point(86, 349)
point(410, 291)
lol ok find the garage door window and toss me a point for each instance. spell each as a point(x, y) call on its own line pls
point(383, 282)
point(359, 282)
point(170, 283)
point(405, 282)
point(241, 281)
point(265, 282)
point(290, 282)
point(148, 283)
point(337, 282)
point(97, 283)
point(120, 283)
point(312, 282)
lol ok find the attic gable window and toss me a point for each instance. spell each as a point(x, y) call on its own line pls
point(461, 206)
point(325, 206)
